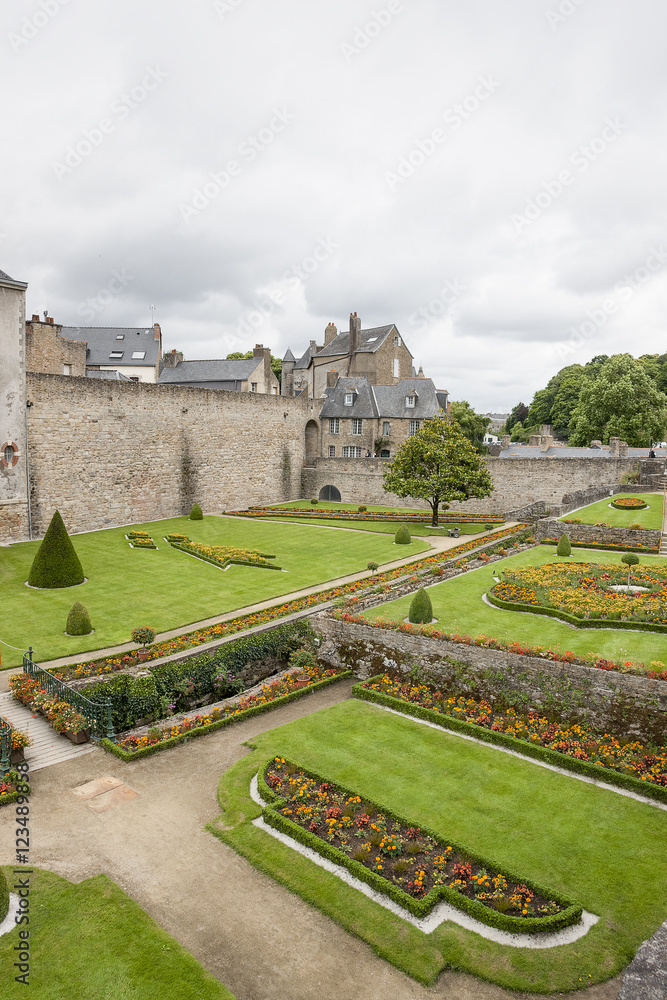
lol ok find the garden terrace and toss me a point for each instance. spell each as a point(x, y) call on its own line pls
point(610, 512)
point(587, 843)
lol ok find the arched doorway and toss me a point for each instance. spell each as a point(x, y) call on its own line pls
point(330, 493)
point(312, 440)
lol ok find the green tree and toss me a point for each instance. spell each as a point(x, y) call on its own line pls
point(438, 464)
point(517, 416)
point(630, 560)
point(56, 563)
point(276, 363)
point(564, 547)
point(565, 401)
point(620, 401)
point(421, 609)
point(472, 424)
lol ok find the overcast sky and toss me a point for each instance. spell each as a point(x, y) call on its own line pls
point(488, 176)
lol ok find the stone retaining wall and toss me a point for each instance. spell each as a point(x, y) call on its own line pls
point(613, 702)
point(551, 528)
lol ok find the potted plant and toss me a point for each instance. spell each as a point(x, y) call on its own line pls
point(72, 724)
point(145, 636)
point(20, 741)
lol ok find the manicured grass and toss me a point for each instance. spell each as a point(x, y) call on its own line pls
point(91, 940)
point(386, 527)
point(458, 606)
point(594, 846)
point(167, 588)
point(650, 517)
point(330, 505)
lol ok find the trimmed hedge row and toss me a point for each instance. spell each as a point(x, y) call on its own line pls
point(609, 546)
point(564, 616)
point(220, 723)
point(420, 907)
point(554, 757)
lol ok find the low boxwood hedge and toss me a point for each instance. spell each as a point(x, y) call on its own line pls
point(521, 747)
point(564, 616)
point(629, 507)
point(609, 546)
point(220, 723)
point(419, 907)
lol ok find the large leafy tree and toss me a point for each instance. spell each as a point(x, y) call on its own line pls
point(621, 400)
point(518, 415)
point(438, 464)
point(276, 363)
point(472, 424)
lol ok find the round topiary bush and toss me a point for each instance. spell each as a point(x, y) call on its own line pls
point(402, 536)
point(563, 548)
point(314, 502)
point(4, 897)
point(56, 563)
point(196, 513)
point(421, 609)
point(78, 620)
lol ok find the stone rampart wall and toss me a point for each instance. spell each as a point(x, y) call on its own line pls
point(551, 528)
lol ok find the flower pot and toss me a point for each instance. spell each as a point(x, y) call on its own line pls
point(81, 737)
point(301, 684)
point(18, 755)
point(143, 654)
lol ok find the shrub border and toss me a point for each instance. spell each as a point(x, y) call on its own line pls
point(248, 713)
point(565, 616)
point(419, 907)
point(609, 546)
point(522, 747)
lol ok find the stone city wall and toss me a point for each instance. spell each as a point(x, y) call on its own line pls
point(551, 528)
point(106, 453)
point(615, 702)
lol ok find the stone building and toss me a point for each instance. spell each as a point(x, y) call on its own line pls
point(360, 420)
point(378, 354)
point(133, 352)
point(13, 467)
point(233, 374)
point(49, 352)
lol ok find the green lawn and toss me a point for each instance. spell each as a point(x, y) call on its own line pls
point(167, 588)
point(594, 846)
point(330, 505)
point(458, 606)
point(384, 527)
point(92, 941)
point(651, 517)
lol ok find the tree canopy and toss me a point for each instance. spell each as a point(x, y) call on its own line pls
point(517, 416)
point(621, 400)
point(438, 464)
point(472, 424)
point(276, 363)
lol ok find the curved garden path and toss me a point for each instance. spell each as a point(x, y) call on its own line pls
point(260, 940)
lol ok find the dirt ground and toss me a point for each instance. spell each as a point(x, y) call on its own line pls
point(260, 940)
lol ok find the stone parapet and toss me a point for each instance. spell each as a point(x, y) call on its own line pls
point(552, 528)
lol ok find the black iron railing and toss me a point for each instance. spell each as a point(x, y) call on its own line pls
point(5, 747)
point(97, 713)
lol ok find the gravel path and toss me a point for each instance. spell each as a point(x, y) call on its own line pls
point(260, 940)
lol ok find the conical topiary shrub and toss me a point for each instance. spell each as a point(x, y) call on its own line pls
point(402, 536)
point(196, 513)
point(421, 609)
point(78, 620)
point(56, 563)
point(563, 548)
point(4, 897)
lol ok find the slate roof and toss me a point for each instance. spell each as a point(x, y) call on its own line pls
point(108, 376)
point(390, 399)
point(531, 451)
point(364, 401)
point(369, 341)
point(187, 372)
point(102, 340)
point(6, 280)
point(304, 360)
point(443, 398)
point(288, 356)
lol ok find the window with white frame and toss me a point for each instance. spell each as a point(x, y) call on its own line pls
point(396, 368)
point(138, 355)
point(351, 451)
point(397, 341)
point(253, 387)
point(334, 425)
point(356, 426)
point(67, 369)
point(410, 400)
point(349, 398)
point(332, 451)
point(386, 428)
point(116, 354)
point(414, 426)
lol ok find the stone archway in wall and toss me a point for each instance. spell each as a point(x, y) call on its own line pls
point(330, 493)
point(312, 441)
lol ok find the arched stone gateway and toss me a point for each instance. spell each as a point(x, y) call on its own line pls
point(330, 493)
point(312, 441)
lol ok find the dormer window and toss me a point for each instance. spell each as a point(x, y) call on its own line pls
point(116, 354)
point(120, 336)
point(138, 355)
point(349, 398)
point(410, 400)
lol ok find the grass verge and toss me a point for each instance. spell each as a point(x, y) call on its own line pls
point(601, 511)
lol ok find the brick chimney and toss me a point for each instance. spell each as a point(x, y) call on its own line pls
point(157, 332)
point(332, 379)
point(259, 351)
point(330, 333)
point(172, 358)
point(355, 334)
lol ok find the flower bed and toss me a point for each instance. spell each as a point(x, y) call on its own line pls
point(189, 640)
point(490, 642)
point(224, 555)
point(271, 696)
point(355, 515)
point(62, 716)
point(583, 594)
point(632, 765)
point(13, 787)
point(617, 547)
point(415, 867)
point(20, 740)
point(629, 503)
